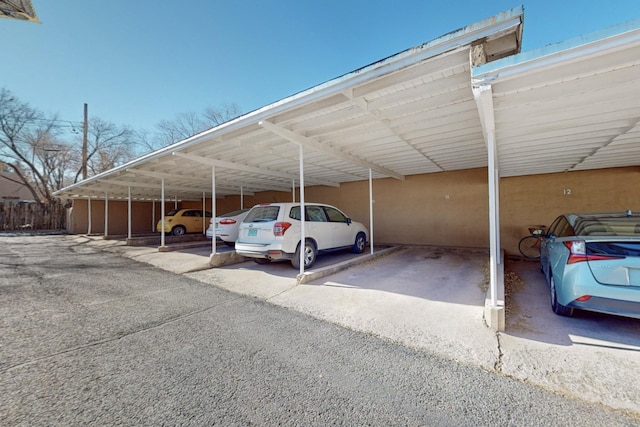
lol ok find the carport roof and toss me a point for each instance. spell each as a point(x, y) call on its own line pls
point(569, 106)
point(412, 113)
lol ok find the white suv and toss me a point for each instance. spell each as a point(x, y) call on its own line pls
point(271, 232)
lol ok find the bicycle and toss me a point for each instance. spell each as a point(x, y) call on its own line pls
point(529, 246)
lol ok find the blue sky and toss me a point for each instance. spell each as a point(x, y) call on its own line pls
point(136, 62)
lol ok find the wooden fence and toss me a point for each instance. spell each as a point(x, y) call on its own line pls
point(21, 215)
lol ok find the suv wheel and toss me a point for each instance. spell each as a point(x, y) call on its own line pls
point(309, 256)
point(359, 244)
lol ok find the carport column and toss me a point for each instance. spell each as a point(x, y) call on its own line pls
point(303, 238)
point(162, 212)
point(129, 214)
point(293, 190)
point(213, 209)
point(494, 237)
point(241, 197)
point(89, 214)
point(495, 312)
point(106, 214)
point(153, 216)
point(370, 213)
point(204, 213)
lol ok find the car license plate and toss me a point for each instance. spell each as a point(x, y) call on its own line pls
point(253, 232)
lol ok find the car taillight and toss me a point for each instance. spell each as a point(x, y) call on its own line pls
point(228, 221)
point(280, 227)
point(578, 253)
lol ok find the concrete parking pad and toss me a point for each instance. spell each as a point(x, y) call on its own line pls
point(592, 356)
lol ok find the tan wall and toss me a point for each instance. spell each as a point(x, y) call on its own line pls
point(539, 199)
point(448, 208)
point(141, 217)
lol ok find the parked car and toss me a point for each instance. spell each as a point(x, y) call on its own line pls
point(225, 227)
point(181, 221)
point(592, 262)
point(271, 232)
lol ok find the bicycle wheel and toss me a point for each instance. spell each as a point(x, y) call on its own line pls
point(529, 247)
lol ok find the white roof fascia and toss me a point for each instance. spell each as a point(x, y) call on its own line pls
point(580, 48)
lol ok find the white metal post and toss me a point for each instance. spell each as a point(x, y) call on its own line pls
point(293, 190)
point(162, 213)
point(483, 95)
point(106, 214)
point(129, 214)
point(370, 213)
point(89, 214)
point(241, 197)
point(493, 219)
point(303, 241)
point(153, 215)
point(204, 213)
point(213, 209)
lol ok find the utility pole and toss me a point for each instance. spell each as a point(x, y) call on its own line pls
point(85, 129)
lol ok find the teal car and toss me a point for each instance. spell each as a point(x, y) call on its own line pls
point(591, 261)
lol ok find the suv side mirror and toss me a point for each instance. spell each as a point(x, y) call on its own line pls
point(348, 221)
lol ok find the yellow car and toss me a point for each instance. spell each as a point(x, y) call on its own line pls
point(181, 221)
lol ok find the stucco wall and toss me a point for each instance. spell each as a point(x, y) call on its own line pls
point(448, 208)
point(539, 199)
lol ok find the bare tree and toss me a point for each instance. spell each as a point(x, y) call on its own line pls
point(27, 139)
point(33, 147)
point(108, 146)
point(185, 125)
point(217, 116)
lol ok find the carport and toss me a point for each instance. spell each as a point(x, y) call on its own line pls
point(462, 101)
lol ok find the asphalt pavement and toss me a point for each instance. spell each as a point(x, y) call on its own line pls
point(89, 337)
point(432, 299)
point(418, 297)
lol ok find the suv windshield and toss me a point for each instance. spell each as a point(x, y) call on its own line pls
point(263, 214)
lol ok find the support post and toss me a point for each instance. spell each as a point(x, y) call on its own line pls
point(129, 214)
point(106, 214)
point(303, 238)
point(213, 210)
point(89, 215)
point(162, 212)
point(370, 213)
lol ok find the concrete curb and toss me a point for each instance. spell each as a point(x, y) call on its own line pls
point(309, 276)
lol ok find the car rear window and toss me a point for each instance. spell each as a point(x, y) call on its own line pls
point(263, 214)
point(614, 248)
point(619, 226)
point(234, 213)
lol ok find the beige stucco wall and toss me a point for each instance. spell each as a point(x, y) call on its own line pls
point(539, 199)
point(448, 208)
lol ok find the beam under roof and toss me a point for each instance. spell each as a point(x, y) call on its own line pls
point(317, 146)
